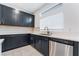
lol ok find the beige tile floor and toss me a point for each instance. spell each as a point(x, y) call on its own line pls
point(23, 51)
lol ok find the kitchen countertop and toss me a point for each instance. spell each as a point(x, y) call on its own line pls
point(62, 35)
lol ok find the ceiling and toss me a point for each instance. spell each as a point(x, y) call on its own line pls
point(27, 7)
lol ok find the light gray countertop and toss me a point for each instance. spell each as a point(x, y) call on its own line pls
point(62, 35)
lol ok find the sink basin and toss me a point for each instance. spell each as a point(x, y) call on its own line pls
point(46, 34)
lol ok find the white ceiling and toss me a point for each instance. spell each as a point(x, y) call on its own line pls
point(27, 7)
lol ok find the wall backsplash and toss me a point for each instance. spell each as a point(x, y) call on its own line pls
point(14, 30)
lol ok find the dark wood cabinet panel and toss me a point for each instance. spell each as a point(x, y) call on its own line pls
point(33, 40)
point(45, 45)
point(27, 19)
point(37, 42)
point(15, 41)
point(15, 17)
point(7, 15)
point(10, 16)
point(19, 40)
point(41, 44)
point(31, 21)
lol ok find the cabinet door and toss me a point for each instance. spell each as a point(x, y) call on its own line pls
point(17, 16)
point(7, 15)
point(27, 19)
point(45, 46)
point(38, 43)
point(32, 41)
point(14, 41)
point(9, 44)
point(31, 20)
point(11, 16)
point(41, 44)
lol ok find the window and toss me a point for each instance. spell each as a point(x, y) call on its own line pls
point(53, 22)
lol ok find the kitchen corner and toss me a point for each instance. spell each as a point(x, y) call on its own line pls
point(43, 29)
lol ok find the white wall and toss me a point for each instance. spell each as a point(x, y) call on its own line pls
point(71, 17)
point(14, 30)
point(37, 20)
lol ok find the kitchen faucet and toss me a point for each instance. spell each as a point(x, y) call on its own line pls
point(47, 30)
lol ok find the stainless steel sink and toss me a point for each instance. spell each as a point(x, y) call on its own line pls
point(46, 34)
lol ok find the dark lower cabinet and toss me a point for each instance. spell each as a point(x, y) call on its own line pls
point(27, 19)
point(45, 46)
point(33, 41)
point(15, 41)
point(40, 43)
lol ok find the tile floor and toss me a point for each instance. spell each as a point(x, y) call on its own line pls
point(23, 51)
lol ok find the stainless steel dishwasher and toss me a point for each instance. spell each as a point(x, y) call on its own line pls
point(60, 49)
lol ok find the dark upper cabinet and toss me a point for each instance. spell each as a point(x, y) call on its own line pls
point(7, 16)
point(27, 19)
point(11, 16)
point(14, 17)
